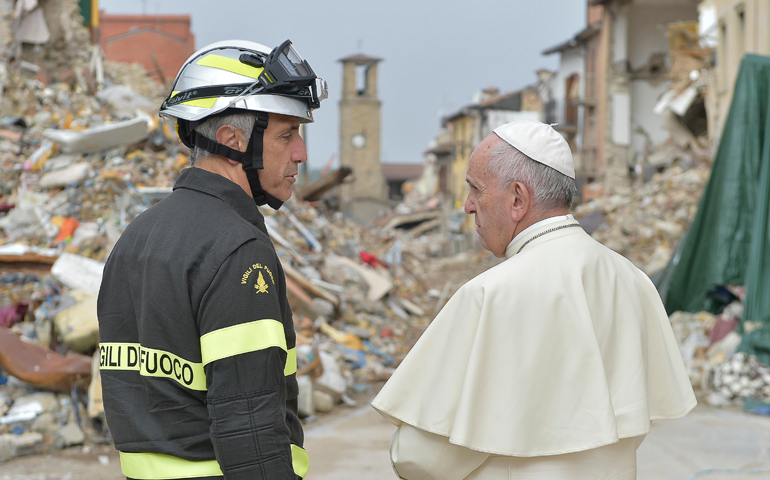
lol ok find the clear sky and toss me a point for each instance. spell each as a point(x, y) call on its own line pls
point(437, 54)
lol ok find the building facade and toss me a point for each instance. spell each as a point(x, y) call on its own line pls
point(741, 27)
point(567, 104)
point(160, 43)
point(627, 66)
point(471, 124)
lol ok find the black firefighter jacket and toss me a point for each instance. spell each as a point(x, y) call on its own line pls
point(197, 343)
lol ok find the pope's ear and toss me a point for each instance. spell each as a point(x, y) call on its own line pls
point(520, 201)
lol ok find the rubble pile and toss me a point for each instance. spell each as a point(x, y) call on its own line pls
point(646, 223)
point(361, 295)
point(707, 341)
point(708, 345)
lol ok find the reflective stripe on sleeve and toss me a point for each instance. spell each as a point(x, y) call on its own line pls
point(156, 466)
point(151, 362)
point(299, 460)
point(243, 338)
point(230, 65)
point(291, 362)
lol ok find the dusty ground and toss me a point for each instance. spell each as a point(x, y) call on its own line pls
point(708, 444)
point(102, 463)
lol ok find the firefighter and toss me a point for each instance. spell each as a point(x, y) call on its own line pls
point(197, 352)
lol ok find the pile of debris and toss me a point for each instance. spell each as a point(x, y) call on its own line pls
point(708, 345)
point(646, 224)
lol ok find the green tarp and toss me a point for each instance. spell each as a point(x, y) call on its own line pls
point(728, 242)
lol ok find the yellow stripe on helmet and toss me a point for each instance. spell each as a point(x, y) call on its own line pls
point(201, 102)
point(198, 102)
point(230, 65)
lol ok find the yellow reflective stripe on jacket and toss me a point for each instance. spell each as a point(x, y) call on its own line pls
point(230, 65)
point(157, 363)
point(299, 460)
point(156, 466)
point(151, 362)
point(243, 338)
point(291, 362)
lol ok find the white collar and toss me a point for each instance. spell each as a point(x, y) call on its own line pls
point(541, 223)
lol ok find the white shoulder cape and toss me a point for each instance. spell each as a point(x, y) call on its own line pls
point(561, 348)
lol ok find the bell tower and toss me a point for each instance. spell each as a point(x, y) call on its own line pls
point(365, 196)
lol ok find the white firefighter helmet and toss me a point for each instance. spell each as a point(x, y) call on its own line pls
point(246, 76)
point(236, 76)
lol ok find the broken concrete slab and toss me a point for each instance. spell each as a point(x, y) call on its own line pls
point(305, 406)
point(46, 424)
point(71, 174)
point(331, 381)
point(379, 283)
point(78, 325)
point(78, 272)
point(123, 101)
point(323, 402)
point(99, 138)
point(69, 436)
point(12, 446)
point(411, 307)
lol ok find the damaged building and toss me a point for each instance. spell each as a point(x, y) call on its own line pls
point(635, 51)
point(467, 127)
point(626, 53)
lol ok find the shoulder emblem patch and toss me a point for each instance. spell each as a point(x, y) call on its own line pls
point(260, 284)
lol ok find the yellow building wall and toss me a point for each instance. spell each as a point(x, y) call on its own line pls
point(462, 129)
point(742, 28)
point(531, 101)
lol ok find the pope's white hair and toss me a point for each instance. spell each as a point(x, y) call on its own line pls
point(552, 189)
point(243, 121)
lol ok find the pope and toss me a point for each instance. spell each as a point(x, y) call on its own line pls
point(551, 364)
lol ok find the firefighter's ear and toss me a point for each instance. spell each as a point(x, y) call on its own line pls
point(231, 137)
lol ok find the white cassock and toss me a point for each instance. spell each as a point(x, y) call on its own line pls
point(550, 365)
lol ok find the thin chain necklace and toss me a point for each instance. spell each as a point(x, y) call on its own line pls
point(547, 231)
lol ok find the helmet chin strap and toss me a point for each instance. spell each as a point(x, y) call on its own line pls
point(251, 159)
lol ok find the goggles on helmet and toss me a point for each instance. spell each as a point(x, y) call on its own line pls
point(284, 73)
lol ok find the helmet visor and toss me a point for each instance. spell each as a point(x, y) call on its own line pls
point(286, 69)
point(293, 63)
